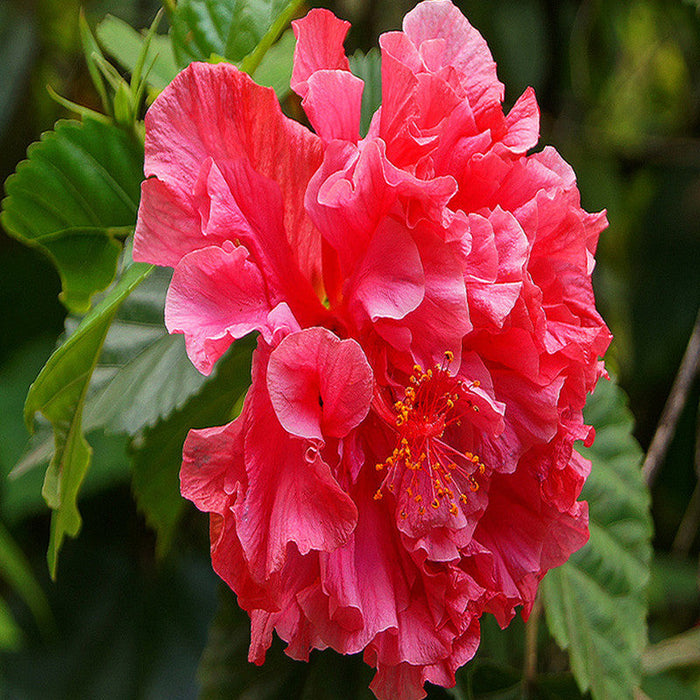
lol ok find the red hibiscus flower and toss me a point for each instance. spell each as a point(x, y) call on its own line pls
point(404, 459)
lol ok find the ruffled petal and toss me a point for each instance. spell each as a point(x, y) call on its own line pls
point(320, 36)
point(319, 385)
point(299, 500)
point(215, 111)
point(390, 281)
point(445, 39)
point(216, 296)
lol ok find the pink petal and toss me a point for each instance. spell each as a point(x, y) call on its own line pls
point(320, 36)
point(356, 187)
point(215, 111)
point(237, 204)
point(212, 466)
point(389, 282)
point(333, 104)
point(523, 123)
point(444, 38)
point(319, 385)
point(292, 494)
point(441, 321)
point(168, 225)
point(216, 296)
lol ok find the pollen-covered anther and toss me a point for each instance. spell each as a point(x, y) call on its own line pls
point(424, 464)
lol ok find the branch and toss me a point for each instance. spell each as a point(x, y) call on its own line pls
point(674, 406)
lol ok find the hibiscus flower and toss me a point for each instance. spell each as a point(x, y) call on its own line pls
point(427, 335)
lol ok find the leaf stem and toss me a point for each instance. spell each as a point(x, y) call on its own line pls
point(688, 370)
point(253, 59)
point(530, 662)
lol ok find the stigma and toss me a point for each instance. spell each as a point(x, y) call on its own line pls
point(433, 473)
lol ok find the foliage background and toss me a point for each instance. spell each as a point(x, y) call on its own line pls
point(618, 82)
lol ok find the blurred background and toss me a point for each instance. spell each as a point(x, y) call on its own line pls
point(618, 82)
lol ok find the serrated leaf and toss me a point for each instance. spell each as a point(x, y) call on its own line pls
point(157, 455)
point(74, 197)
point(125, 44)
point(596, 603)
point(368, 66)
point(225, 674)
point(59, 394)
point(228, 28)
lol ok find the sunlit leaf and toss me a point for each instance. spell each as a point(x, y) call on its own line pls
point(279, 21)
point(275, 69)
point(124, 43)
point(228, 28)
point(143, 373)
point(596, 603)
point(75, 197)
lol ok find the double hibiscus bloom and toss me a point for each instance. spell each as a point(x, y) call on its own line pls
point(427, 335)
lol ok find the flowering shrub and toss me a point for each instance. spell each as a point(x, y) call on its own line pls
point(404, 460)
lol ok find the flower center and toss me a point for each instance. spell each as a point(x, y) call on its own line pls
point(423, 462)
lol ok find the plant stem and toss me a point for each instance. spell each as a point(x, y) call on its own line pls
point(687, 372)
point(530, 663)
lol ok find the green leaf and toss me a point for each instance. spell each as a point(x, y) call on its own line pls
point(59, 394)
point(142, 376)
point(596, 603)
point(280, 21)
point(157, 455)
point(92, 52)
point(665, 687)
point(143, 373)
point(225, 674)
point(275, 69)
point(11, 636)
point(75, 197)
point(125, 44)
point(15, 571)
point(368, 67)
point(228, 28)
